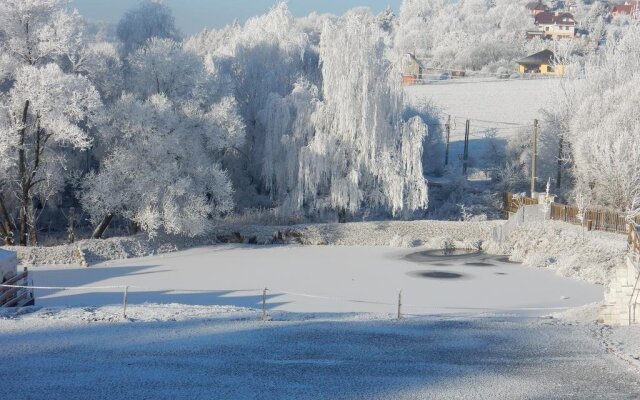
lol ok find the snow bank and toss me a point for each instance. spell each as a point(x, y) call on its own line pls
point(565, 248)
point(433, 234)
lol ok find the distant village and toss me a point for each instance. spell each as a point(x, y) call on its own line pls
point(553, 21)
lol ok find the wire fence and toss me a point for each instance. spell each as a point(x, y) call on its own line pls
point(398, 309)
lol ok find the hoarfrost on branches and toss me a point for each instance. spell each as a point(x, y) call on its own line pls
point(362, 152)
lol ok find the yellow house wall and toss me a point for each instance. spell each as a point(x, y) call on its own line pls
point(558, 70)
point(544, 69)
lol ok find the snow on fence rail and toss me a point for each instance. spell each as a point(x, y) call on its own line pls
point(594, 219)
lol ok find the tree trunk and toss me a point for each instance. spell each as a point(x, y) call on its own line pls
point(6, 224)
point(135, 228)
point(31, 218)
point(24, 219)
point(5, 234)
point(342, 216)
point(102, 226)
point(71, 235)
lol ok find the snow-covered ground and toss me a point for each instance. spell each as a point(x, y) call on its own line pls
point(509, 106)
point(218, 353)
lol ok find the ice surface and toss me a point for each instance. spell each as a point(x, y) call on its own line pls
point(354, 279)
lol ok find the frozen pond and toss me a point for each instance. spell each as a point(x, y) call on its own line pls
point(322, 279)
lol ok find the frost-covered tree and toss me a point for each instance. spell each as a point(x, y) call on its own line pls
point(363, 154)
point(163, 66)
point(471, 34)
point(45, 112)
point(35, 32)
point(161, 172)
point(151, 19)
point(416, 22)
point(263, 58)
point(601, 129)
point(163, 145)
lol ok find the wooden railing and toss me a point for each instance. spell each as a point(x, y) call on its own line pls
point(16, 296)
point(594, 218)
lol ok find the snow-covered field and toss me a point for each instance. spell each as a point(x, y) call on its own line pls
point(508, 106)
point(516, 101)
point(321, 279)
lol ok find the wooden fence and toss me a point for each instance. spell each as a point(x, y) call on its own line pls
point(594, 219)
point(15, 296)
point(634, 239)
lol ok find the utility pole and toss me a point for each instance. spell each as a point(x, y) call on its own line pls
point(559, 178)
point(446, 153)
point(465, 157)
point(534, 156)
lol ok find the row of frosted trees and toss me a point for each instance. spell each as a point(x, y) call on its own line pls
point(136, 123)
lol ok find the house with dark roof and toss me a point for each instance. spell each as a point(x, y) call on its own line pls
point(558, 25)
point(544, 63)
point(536, 7)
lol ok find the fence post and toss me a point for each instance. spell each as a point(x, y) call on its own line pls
point(465, 155)
point(125, 300)
point(400, 304)
point(446, 152)
point(264, 304)
point(534, 156)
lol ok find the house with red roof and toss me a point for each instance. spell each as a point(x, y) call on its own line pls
point(628, 8)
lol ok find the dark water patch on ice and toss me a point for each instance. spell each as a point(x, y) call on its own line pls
point(440, 255)
point(500, 273)
point(437, 275)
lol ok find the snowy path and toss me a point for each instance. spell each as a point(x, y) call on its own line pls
point(237, 357)
point(339, 279)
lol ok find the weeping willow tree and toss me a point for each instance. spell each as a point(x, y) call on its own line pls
point(345, 147)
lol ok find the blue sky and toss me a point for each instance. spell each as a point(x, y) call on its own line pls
point(193, 15)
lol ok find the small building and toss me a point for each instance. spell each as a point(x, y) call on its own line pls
point(536, 7)
point(412, 69)
point(544, 63)
point(555, 25)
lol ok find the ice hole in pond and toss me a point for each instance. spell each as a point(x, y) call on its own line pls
point(441, 255)
point(437, 275)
